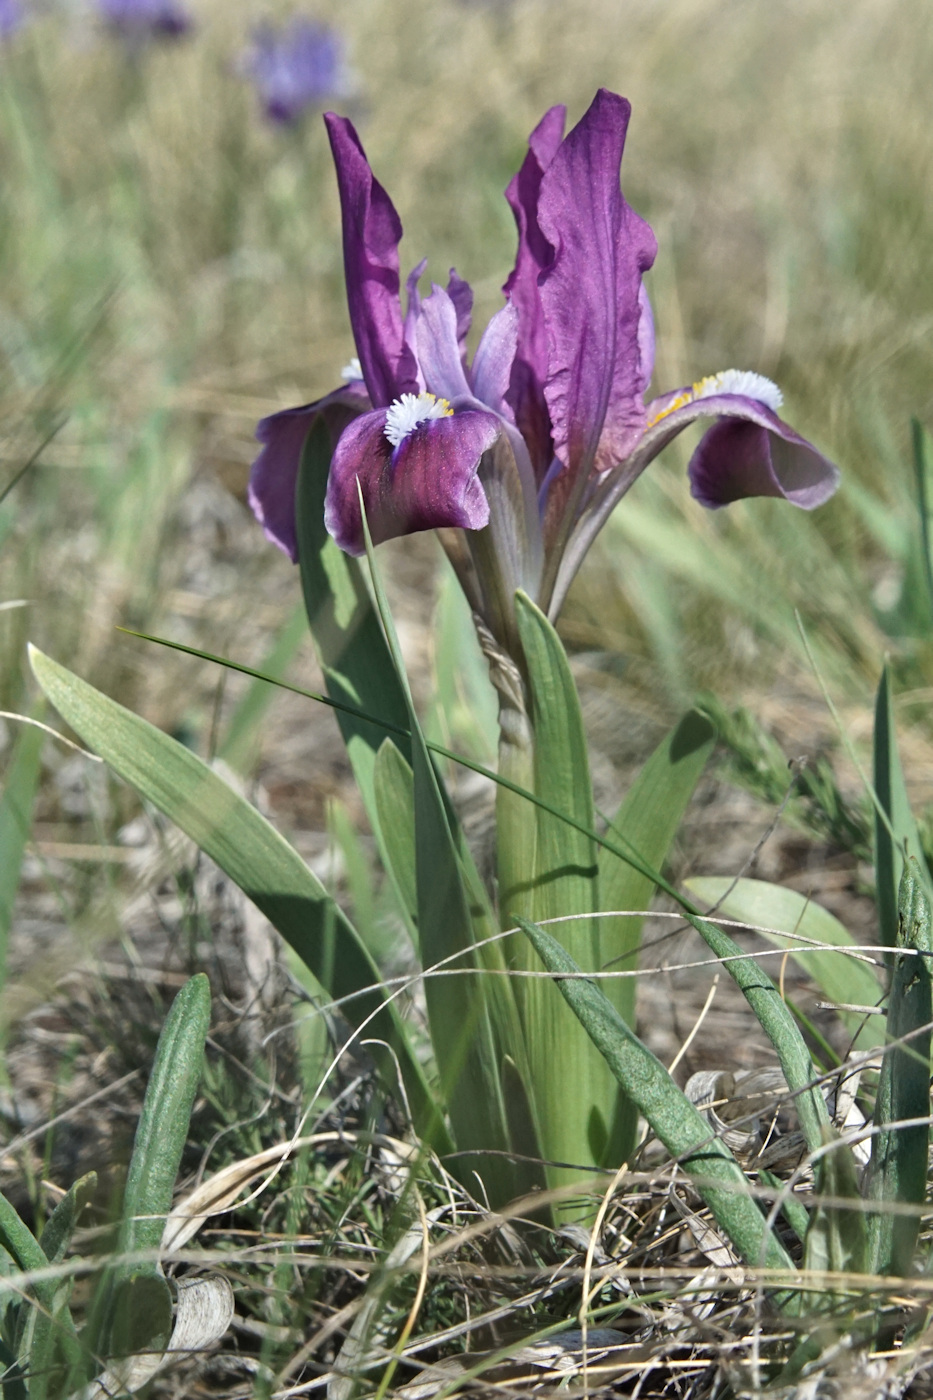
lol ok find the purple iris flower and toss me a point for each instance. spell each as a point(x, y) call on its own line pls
point(527, 449)
point(296, 68)
point(136, 21)
point(12, 17)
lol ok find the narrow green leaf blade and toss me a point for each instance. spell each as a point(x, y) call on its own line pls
point(772, 907)
point(898, 1169)
point(16, 804)
point(575, 1093)
point(255, 856)
point(240, 743)
point(356, 661)
point(676, 1122)
point(56, 1236)
point(895, 830)
point(462, 1032)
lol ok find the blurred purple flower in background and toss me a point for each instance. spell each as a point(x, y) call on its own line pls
point(296, 68)
point(12, 16)
point(137, 21)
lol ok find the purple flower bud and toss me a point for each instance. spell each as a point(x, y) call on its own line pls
point(296, 68)
point(136, 21)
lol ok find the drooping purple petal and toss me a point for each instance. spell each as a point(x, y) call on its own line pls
point(427, 482)
point(275, 471)
point(529, 367)
point(749, 452)
point(437, 347)
point(745, 456)
point(590, 295)
point(461, 294)
point(492, 363)
point(371, 234)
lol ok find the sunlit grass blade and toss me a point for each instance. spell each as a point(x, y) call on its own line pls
point(895, 827)
point(255, 856)
point(897, 1173)
point(673, 1118)
point(773, 910)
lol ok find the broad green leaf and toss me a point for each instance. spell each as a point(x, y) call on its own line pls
point(255, 856)
point(773, 910)
point(240, 743)
point(646, 823)
point(133, 1310)
point(897, 1174)
point(462, 1033)
point(574, 1092)
point(895, 828)
point(19, 791)
point(673, 1118)
point(354, 657)
point(162, 1130)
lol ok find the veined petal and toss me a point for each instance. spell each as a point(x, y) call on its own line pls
point(591, 294)
point(438, 348)
point(275, 471)
point(530, 363)
point(371, 234)
point(428, 481)
point(492, 363)
point(645, 339)
point(751, 452)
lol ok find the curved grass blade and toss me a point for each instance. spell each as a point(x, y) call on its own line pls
point(676, 1122)
point(767, 908)
point(255, 856)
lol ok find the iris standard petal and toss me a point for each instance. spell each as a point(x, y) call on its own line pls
point(492, 364)
point(371, 234)
point(427, 482)
point(590, 295)
point(275, 471)
point(438, 348)
point(529, 367)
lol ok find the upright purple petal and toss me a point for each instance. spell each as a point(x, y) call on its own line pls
point(437, 347)
point(492, 364)
point(427, 482)
point(275, 471)
point(591, 294)
point(371, 235)
point(529, 369)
